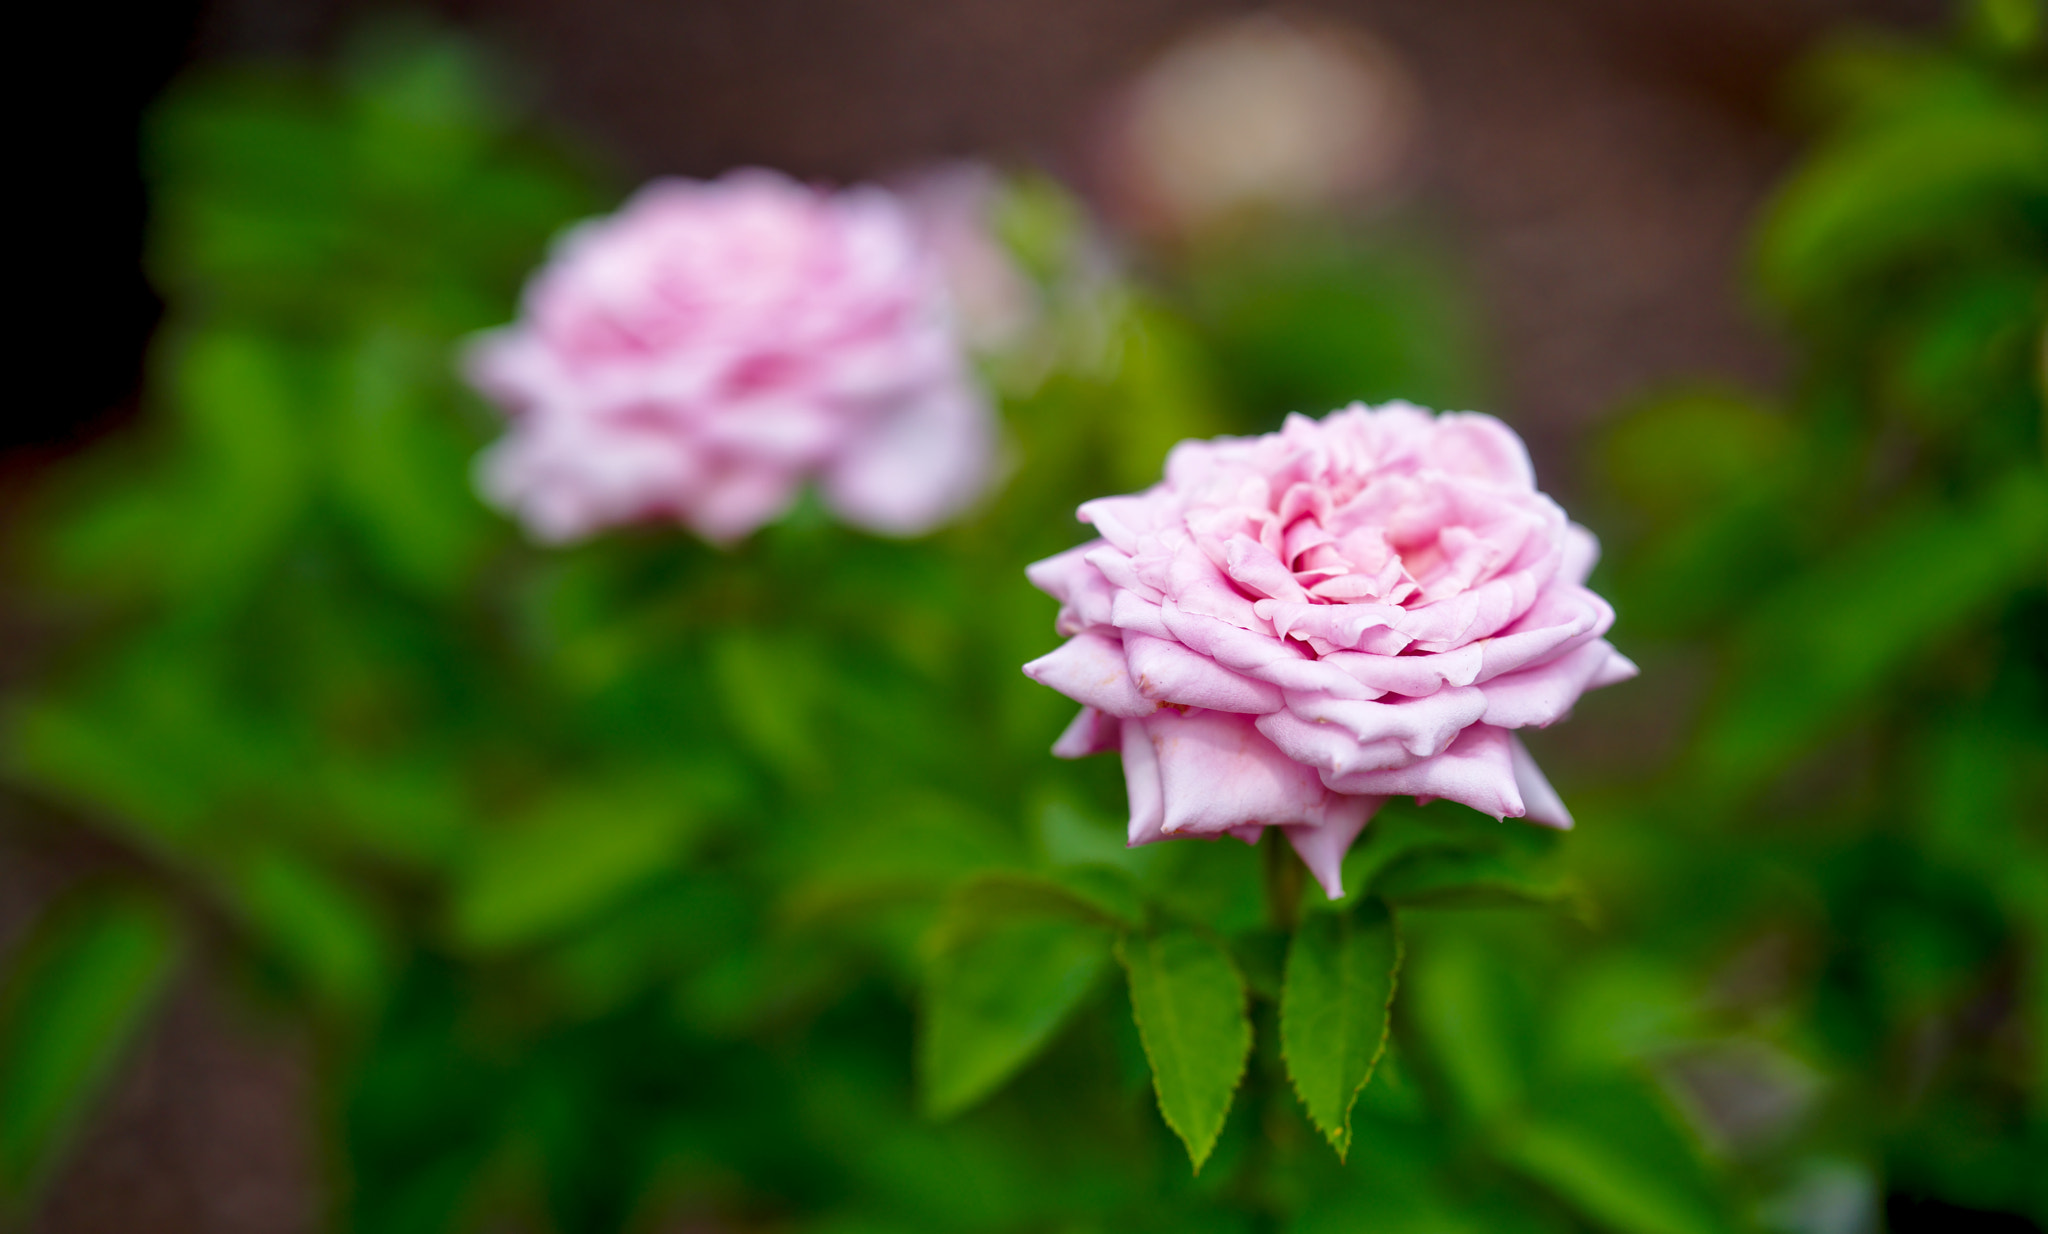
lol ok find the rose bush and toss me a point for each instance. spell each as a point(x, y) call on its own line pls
point(1293, 628)
point(713, 346)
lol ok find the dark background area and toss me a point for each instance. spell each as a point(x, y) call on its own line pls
point(1595, 163)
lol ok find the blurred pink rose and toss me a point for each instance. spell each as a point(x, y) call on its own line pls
point(1293, 628)
point(713, 346)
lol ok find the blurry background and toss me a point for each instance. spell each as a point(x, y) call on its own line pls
point(1595, 160)
point(1587, 168)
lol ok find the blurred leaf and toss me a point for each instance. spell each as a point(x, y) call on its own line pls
point(1164, 396)
point(239, 399)
point(1334, 1009)
point(318, 926)
point(573, 853)
point(1687, 449)
point(401, 463)
point(1812, 652)
point(1929, 175)
point(1189, 1003)
point(1466, 1003)
point(768, 687)
point(905, 845)
point(1455, 877)
point(1611, 1153)
point(85, 760)
point(1311, 319)
point(1002, 974)
point(75, 997)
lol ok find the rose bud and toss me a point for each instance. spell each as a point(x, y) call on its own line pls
point(712, 347)
point(1292, 628)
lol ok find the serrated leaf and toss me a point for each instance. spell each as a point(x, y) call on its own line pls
point(77, 995)
point(1339, 991)
point(1189, 1002)
point(1001, 979)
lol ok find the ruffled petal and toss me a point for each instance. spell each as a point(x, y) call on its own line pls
point(1477, 770)
point(1217, 772)
point(1540, 696)
point(1167, 672)
point(1086, 598)
point(1089, 668)
point(1422, 726)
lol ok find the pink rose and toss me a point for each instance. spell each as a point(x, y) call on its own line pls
point(710, 348)
point(1295, 627)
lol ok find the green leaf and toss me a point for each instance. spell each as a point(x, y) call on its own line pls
point(1690, 449)
point(1949, 156)
point(240, 402)
point(74, 1000)
point(1464, 878)
point(1003, 973)
point(1468, 1006)
point(399, 463)
point(1813, 651)
point(574, 854)
point(769, 688)
point(1610, 1151)
point(1189, 1002)
point(317, 925)
point(1334, 1009)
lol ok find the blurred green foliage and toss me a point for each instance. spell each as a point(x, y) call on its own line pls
point(642, 882)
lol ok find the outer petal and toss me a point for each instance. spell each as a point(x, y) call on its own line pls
point(1322, 848)
point(1141, 783)
point(1561, 618)
point(1470, 443)
point(1086, 598)
point(734, 504)
point(1478, 771)
point(1091, 732)
point(1544, 805)
point(1581, 554)
point(919, 466)
point(1167, 672)
point(1061, 574)
point(1541, 696)
point(1089, 668)
point(1219, 773)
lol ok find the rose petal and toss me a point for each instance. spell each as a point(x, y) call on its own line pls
point(1322, 848)
point(1422, 726)
point(1167, 672)
point(1218, 772)
point(1089, 668)
point(1477, 770)
point(1540, 696)
point(920, 465)
point(1543, 804)
point(1090, 732)
point(1142, 784)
